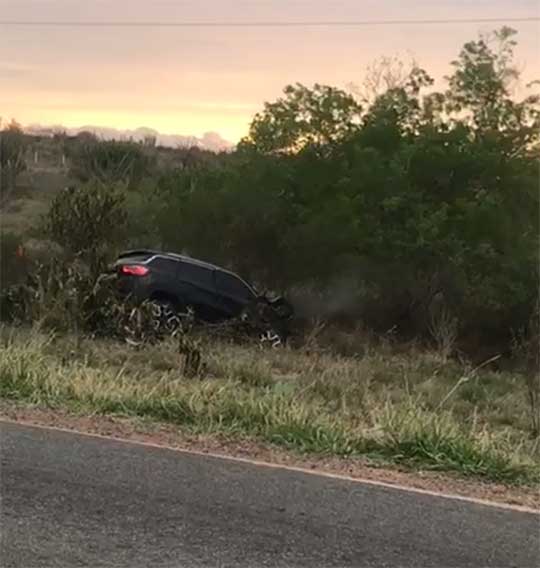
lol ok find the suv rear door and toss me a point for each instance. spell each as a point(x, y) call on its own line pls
point(197, 288)
point(234, 293)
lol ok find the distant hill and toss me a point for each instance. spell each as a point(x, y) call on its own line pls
point(209, 141)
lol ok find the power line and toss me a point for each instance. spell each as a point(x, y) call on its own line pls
point(261, 24)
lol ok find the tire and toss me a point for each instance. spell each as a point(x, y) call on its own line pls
point(165, 316)
point(272, 339)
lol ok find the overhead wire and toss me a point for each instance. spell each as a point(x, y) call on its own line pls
point(262, 24)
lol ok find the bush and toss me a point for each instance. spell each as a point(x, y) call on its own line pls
point(13, 262)
point(109, 162)
point(13, 144)
point(88, 222)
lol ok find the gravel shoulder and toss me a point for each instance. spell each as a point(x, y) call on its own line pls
point(169, 436)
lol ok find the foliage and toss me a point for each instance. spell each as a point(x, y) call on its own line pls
point(382, 75)
point(414, 204)
point(13, 264)
point(421, 197)
point(481, 86)
point(416, 215)
point(110, 162)
point(89, 222)
point(321, 115)
point(63, 295)
point(13, 144)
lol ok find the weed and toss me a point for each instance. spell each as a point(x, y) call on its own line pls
point(443, 328)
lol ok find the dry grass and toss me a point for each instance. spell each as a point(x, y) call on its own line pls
point(31, 200)
point(408, 408)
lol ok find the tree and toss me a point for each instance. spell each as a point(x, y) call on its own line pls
point(479, 90)
point(318, 116)
point(383, 75)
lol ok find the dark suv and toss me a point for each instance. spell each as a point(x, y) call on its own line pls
point(179, 282)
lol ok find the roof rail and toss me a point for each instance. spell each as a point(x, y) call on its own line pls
point(173, 255)
point(135, 252)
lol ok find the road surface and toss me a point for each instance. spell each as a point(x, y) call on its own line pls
point(70, 500)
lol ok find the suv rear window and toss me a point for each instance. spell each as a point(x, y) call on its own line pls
point(165, 264)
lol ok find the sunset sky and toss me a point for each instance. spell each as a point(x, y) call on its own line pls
point(192, 80)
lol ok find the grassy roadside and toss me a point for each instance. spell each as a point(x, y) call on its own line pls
point(410, 409)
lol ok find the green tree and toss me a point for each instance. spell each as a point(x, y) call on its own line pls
point(321, 115)
point(480, 88)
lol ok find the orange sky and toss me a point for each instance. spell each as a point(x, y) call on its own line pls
point(192, 80)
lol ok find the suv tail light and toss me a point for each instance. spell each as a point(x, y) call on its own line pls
point(134, 270)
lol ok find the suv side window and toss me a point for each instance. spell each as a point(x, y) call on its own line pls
point(165, 265)
point(197, 275)
point(232, 286)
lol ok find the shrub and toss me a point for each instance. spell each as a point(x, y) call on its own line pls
point(109, 161)
point(13, 144)
point(88, 222)
point(13, 262)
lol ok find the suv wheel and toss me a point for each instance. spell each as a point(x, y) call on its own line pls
point(165, 316)
point(271, 338)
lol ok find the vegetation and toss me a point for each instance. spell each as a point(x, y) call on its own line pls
point(13, 144)
point(109, 162)
point(12, 266)
point(89, 223)
point(399, 215)
point(403, 409)
point(419, 203)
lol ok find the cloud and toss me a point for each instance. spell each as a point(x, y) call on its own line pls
point(209, 140)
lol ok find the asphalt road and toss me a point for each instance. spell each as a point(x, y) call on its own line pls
point(70, 500)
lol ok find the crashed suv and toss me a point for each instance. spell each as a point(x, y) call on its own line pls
point(179, 284)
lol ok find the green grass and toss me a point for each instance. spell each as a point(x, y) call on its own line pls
point(387, 407)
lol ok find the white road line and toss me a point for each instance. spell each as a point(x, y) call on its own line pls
point(260, 463)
